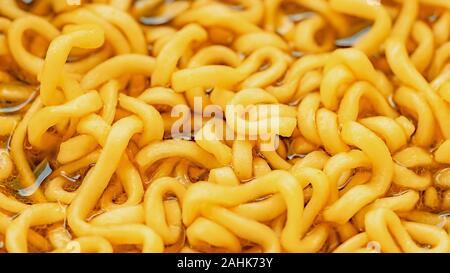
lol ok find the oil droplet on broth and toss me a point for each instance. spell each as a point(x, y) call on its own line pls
point(71, 177)
point(300, 16)
point(154, 21)
point(292, 156)
point(73, 247)
point(443, 219)
point(392, 102)
point(350, 41)
point(399, 193)
point(95, 214)
point(442, 178)
point(374, 246)
point(18, 107)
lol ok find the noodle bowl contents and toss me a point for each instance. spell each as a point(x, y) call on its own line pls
point(224, 126)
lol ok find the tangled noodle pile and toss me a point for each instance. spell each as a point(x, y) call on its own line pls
point(89, 162)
